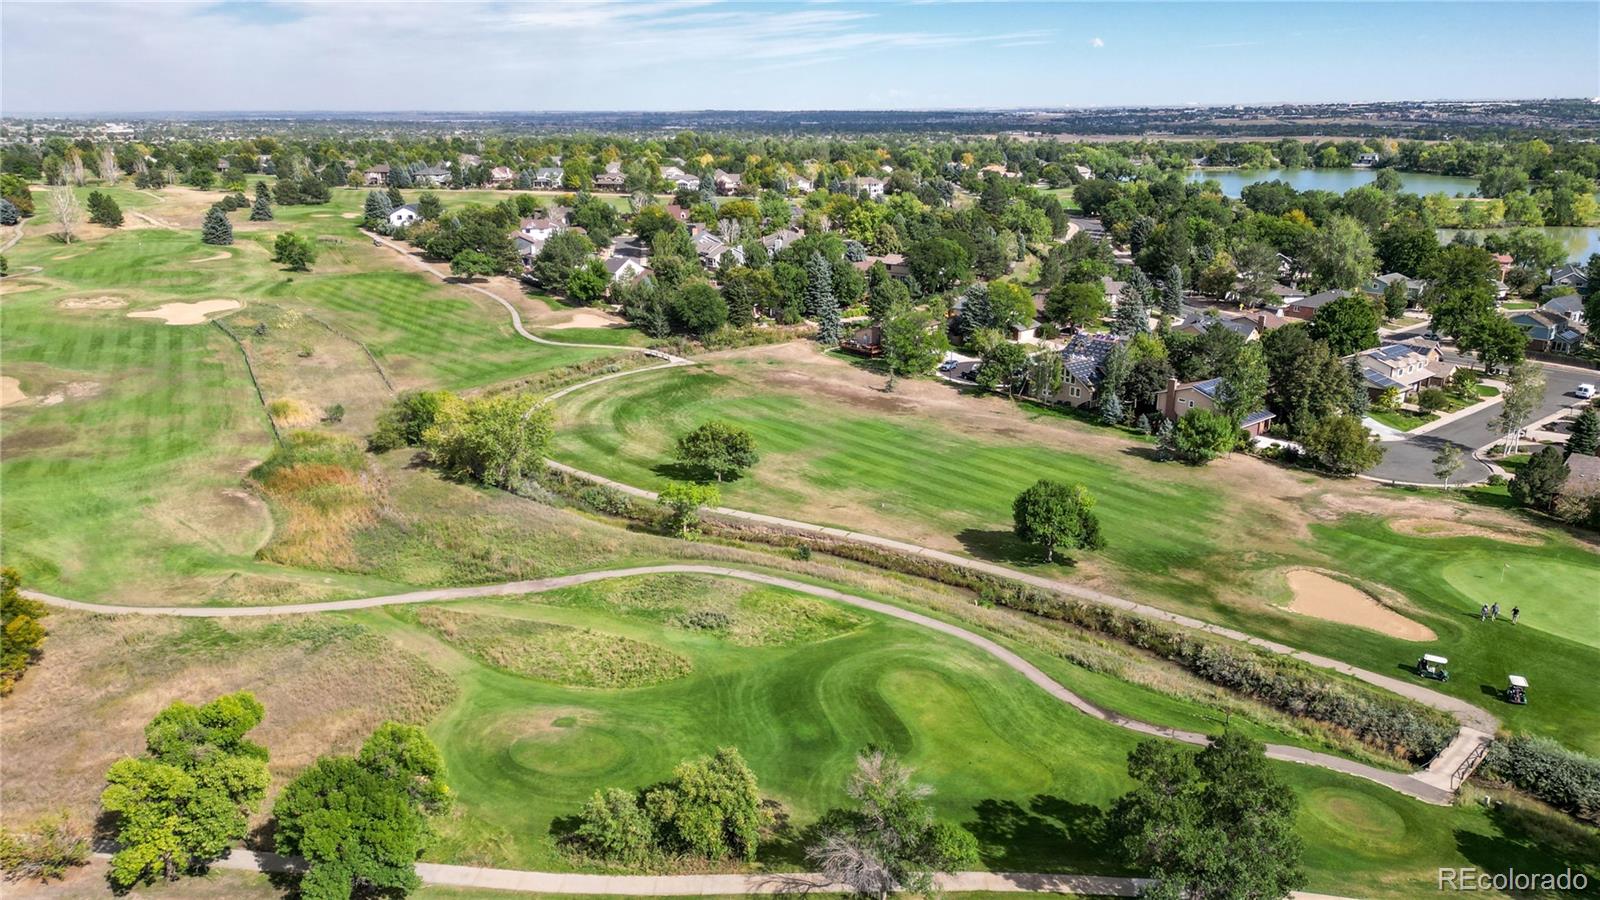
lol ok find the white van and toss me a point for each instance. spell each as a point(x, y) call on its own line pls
point(1585, 392)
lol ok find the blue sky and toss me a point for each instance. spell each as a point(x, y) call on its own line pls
point(700, 54)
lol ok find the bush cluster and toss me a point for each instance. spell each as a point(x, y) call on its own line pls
point(711, 809)
point(1542, 768)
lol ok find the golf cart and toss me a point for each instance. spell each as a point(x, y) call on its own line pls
point(1517, 691)
point(1430, 666)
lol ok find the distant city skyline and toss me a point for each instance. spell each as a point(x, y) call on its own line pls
point(122, 58)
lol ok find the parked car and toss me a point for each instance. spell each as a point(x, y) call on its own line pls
point(1585, 392)
point(949, 364)
point(970, 374)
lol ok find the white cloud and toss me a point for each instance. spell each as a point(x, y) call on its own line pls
point(478, 55)
point(1096, 42)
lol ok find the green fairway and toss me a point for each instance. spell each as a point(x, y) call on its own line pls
point(898, 467)
point(125, 463)
point(1030, 778)
point(1171, 536)
point(1562, 598)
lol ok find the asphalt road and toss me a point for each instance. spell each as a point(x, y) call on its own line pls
point(1411, 459)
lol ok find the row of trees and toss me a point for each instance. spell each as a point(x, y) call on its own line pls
point(360, 823)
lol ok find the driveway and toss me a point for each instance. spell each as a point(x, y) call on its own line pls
point(1411, 458)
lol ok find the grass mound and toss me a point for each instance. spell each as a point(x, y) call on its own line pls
point(322, 493)
point(576, 657)
point(292, 412)
point(746, 614)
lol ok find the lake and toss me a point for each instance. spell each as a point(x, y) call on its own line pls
point(1580, 242)
point(1335, 180)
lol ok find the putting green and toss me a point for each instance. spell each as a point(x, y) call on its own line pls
point(1566, 601)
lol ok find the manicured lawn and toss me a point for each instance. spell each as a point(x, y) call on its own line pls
point(1170, 537)
point(1030, 779)
point(1402, 419)
point(134, 473)
point(899, 467)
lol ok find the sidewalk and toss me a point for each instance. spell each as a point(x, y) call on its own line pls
point(1447, 418)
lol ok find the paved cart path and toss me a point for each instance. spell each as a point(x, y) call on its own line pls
point(1414, 785)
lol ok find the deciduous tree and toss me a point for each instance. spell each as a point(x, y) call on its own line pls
point(719, 448)
point(1054, 516)
point(683, 500)
point(68, 214)
point(497, 439)
point(294, 251)
point(913, 342)
point(889, 841)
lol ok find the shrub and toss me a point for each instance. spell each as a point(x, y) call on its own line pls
point(1563, 778)
point(402, 424)
point(44, 851)
point(613, 827)
point(705, 620)
point(1432, 399)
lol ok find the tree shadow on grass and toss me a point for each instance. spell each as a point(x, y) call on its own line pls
point(1050, 833)
point(1533, 840)
point(1002, 545)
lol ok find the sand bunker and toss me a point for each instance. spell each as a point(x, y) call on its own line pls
point(213, 258)
point(186, 313)
point(349, 216)
point(93, 303)
point(586, 320)
point(11, 391)
point(75, 390)
point(1322, 597)
point(1442, 528)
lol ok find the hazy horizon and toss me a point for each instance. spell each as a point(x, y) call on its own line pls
point(702, 55)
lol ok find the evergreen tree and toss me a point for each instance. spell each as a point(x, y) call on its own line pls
point(396, 199)
point(1585, 437)
point(216, 228)
point(829, 328)
point(1359, 401)
point(377, 209)
point(1111, 408)
point(9, 214)
point(1131, 316)
point(1540, 479)
point(261, 210)
point(103, 210)
point(819, 287)
point(400, 176)
point(977, 311)
point(1172, 293)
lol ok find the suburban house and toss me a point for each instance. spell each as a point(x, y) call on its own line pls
point(1377, 285)
point(1567, 306)
point(866, 342)
point(1084, 172)
point(1307, 307)
point(711, 249)
point(431, 176)
point(1000, 170)
point(1583, 476)
point(1575, 277)
point(501, 175)
point(873, 187)
point(1505, 261)
point(802, 184)
point(222, 165)
point(780, 239)
point(1180, 397)
point(1549, 332)
point(547, 177)
point(726, 183)
point(894, 262)
point(680, 180)
point(539, 229)
point(527, 247)
point(377, 176)
point(1083, 361)
point(403, 216)
point(1251, 326)
point(611, 179)
point(468, 160)
point(1366, 159)
point(624, 269)
point(1407, 368)
point(1026, 333)
point(1113, 289)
